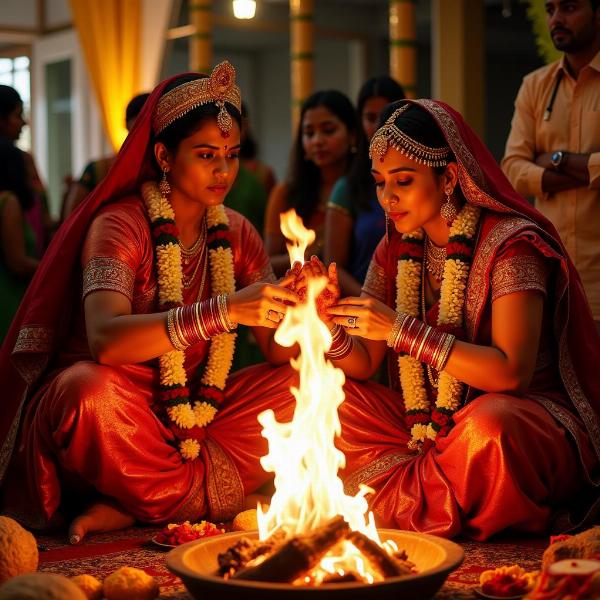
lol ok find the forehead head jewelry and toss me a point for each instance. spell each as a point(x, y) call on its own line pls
point(219, 88)
point(390, 135)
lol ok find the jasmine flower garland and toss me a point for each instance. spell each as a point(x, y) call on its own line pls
point(188, 416)
point(425, 423)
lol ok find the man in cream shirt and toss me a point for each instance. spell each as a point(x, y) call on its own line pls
point(553, 149)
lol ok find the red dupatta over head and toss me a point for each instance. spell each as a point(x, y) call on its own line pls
point(484, 184)
point(41, 324)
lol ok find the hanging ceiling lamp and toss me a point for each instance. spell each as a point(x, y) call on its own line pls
point(244, 9)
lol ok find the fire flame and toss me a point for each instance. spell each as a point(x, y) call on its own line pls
point(302, 454)
point(299, 237)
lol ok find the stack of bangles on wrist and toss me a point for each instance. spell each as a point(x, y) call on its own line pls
point(192, 323)
point(341, 343)
point(424, 343)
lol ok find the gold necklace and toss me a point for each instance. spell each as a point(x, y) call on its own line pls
point(188, 281)
point(435, 258)
point(187, 254)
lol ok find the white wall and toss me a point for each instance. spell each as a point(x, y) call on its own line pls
point(58, 12)
point(18, 13)
point(87, 139)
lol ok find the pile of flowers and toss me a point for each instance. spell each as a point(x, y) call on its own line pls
point(175, 534)
point(507, 582)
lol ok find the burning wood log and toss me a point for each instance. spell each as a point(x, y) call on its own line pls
point(246, 550)
point(379, 559)
point(298, 555)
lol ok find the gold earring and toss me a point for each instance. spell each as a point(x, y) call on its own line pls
point(448, 210)
point(163, 186)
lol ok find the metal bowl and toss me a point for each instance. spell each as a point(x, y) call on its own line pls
point(435, 558)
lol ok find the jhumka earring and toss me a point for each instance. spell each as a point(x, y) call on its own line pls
point(163, 186)
point(387, 226)
point(448, 210)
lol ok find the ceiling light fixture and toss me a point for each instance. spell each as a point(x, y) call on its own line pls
point(244, 9)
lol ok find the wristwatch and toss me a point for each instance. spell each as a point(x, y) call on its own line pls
point(558, 158)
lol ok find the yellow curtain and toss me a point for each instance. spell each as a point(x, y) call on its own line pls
point(536, 11)
point(109, 31)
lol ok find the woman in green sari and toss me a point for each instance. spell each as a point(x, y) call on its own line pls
point(17, 238)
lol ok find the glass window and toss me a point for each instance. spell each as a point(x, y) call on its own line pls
point(15, 72)
point(59, 112)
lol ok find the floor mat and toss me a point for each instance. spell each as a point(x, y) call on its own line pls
point(104, 553)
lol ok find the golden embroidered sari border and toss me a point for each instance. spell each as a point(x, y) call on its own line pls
point(223, 484)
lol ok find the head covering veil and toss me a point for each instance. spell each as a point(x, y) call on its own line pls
point(41, 324)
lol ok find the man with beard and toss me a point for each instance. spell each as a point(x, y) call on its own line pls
point(553, 150)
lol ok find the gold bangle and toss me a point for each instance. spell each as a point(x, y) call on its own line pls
point(172, 331)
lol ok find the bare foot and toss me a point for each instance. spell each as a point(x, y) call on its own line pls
point(103, 515)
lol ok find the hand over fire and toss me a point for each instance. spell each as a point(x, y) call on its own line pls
point(262, 304)
point(312, 269)
point(364, 316)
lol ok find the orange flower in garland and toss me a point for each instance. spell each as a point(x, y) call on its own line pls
point(188, 416)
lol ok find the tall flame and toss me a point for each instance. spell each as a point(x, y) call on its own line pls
point(302, 454)
point(299, 237)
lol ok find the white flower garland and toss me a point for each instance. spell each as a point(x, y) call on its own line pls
point(170, 291)
point(452, 297)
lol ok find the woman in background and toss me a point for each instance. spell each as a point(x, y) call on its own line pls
point(354, 221)
point(18, 260)
point(11, 124)
point(323, 151)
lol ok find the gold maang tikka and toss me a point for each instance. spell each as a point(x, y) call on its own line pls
point(389, 135)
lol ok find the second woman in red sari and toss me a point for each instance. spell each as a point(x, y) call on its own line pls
point(492, 421)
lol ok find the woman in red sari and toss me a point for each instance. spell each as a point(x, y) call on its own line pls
point(492, 419)
point(115, 372)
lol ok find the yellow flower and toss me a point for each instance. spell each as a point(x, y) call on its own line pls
point(452, 298)
point(204, 413)
point(189, 449)
point(182, 415)
point(408, 287)
point(419, 432)
point(220, 360)
point(172, 371)
point(170, 290)
point(412, 382)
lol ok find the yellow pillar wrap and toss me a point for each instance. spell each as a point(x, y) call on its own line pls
point(302, 43)
point(201, 42)
point(403, 44)
point(457, 42)
point(109, 32)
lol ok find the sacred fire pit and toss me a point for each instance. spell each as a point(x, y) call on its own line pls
point(313, 538)
point(196, 563)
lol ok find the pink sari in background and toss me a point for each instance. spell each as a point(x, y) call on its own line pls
point(528, 463)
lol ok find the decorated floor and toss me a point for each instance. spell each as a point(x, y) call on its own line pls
point(104, 553)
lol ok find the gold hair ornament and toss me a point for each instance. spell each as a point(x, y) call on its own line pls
point(219, 88)
point(389, 135)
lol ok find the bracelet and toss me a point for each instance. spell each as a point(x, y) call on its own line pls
point(395, 330)
point(342, 344)
point(192, 323)
point(423, 342)
point(174, 338)
point(224, 313)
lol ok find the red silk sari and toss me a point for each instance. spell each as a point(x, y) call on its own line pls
point(72, 428)
point(509, 462)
